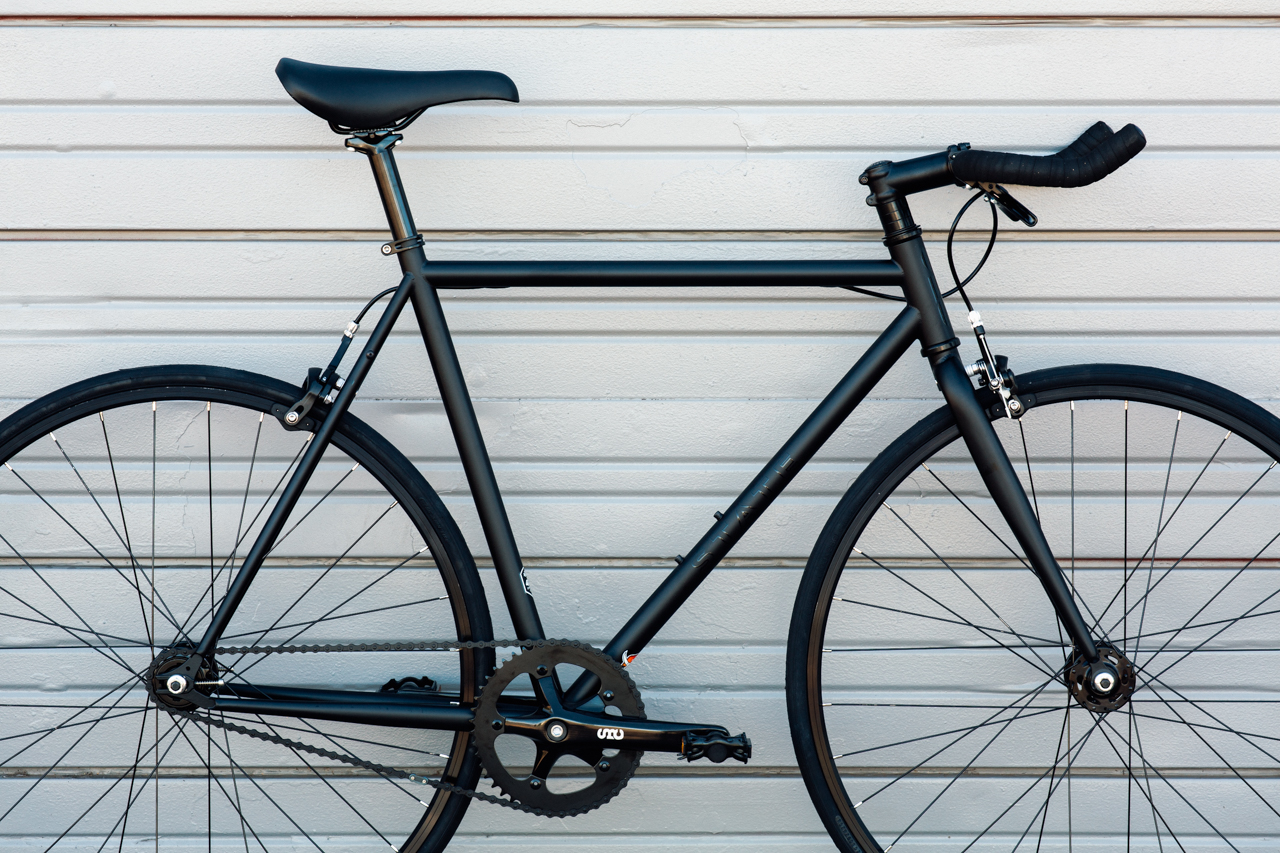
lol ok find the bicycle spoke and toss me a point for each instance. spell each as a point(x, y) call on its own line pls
point(1211, 528)
point(1247, 737)
point(1208, 639)
point(1026, 457)
point(208, 766)
point(1169, 784)
point(168, 615)
point(331, 787)
point(343, 603)
point(235, 785)
point(1044, 666)
point(1057, 759)
point(121, 539)
point(313, 508)
point(984, 629)
point(1155, 820)
point(1079, 748)
point(88, 730)
point(75, 633)
point(306, 591)
point(124, 540)
point(133, 778)
point(94, 805)
point(258, 514)
point(1001, 540)
point(1195, 730)
point(977, 517)
point(147, 780)
point(244, 503)
point(1172, 514)
point(966, 730)
point(352, 615)
point(261, 790)
point(1182, 500)
point(963, 733)
point(124, 525)
point(65, 724)
point(960, 774)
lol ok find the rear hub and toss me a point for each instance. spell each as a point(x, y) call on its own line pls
point(171, 683)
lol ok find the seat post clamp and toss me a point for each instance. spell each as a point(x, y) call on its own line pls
point(397, 246)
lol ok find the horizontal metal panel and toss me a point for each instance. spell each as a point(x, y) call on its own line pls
point(313, 278)
point(872, 130)
point(705, 65)
point(739, 368)
point(636, 8)
point(636, 191)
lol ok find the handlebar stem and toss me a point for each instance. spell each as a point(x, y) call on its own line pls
point(888, 178)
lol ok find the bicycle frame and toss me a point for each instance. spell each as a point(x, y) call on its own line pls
point(924, 319)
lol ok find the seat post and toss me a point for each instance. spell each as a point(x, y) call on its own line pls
point(390, 188)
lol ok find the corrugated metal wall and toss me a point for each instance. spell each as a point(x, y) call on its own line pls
point(163, 200)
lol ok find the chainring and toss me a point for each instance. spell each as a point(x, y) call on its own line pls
point(609, 774)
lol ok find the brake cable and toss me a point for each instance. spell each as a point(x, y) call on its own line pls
point(951, 236)
point(990, 370)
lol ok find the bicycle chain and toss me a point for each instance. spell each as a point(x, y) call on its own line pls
point(381, 770)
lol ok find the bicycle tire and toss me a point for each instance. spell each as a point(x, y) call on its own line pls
point(117, 537)
point(925, 666)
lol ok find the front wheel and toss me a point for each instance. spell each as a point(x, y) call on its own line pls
point(126, 504)
point(927, 678)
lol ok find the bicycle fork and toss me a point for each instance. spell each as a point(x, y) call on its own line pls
point(939, 345)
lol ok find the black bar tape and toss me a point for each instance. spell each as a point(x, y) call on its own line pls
point(1097, 153)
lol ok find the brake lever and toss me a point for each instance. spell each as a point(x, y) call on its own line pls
point(1003, 199)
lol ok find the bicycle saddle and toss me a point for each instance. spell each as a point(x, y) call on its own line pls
point(370, 99)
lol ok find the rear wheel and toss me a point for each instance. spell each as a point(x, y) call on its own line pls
point(125, 504)
point(926, 669)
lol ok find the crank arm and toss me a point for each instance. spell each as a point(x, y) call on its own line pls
point(572, 730)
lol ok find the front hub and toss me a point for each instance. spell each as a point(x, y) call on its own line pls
point(1103, 686)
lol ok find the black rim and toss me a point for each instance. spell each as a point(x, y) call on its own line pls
point(128, 499)
point(1186, 597)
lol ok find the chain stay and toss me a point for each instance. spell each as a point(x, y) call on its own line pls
point(381, 770)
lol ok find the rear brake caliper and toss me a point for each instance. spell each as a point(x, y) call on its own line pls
point(319, 386)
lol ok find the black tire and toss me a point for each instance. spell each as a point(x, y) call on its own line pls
point(115, 539)
point(925, 683)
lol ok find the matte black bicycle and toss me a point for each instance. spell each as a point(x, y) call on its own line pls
point(235, 615)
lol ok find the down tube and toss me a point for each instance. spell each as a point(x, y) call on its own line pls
point(756, 498)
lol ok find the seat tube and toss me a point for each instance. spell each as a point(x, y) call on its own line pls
point(939, 344)
point(407, 245)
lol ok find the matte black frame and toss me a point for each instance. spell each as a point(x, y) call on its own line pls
point(924, 319)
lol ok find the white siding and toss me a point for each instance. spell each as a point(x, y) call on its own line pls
point(163, 200)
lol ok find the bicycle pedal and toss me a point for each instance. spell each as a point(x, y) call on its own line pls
point(716, 747)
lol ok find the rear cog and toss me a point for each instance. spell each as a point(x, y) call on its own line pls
point(502, 711)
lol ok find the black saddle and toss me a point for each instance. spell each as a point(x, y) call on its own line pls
point(369, 99)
